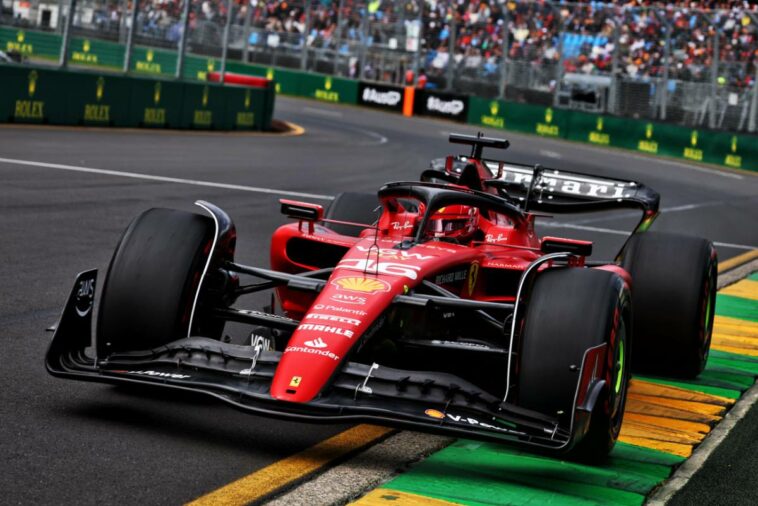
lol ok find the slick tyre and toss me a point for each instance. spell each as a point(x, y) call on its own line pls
point(152, 281)
point(674, 281)
point(354, 207)
point(569, 312)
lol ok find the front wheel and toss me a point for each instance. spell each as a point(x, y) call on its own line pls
point(571, 311)
point(152, 281)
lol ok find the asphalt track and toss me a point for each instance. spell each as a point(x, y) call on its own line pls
point(66, 442)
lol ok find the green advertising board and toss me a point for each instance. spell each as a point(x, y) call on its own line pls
point(31, 96)
point(96, 53)
point(156, 62)
point(196, 68)
point(544, 121)
point(67, 97)
point(30, 44)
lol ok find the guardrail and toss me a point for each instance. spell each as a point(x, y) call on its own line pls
point(63, 97)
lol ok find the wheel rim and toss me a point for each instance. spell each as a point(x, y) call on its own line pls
point(619, 377)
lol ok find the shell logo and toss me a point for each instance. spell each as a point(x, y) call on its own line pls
point(362, 285)
point(433, 413)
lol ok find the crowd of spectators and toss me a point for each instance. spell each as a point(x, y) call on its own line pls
point(636, 38)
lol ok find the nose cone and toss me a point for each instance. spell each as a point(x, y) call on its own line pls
point(343, 311)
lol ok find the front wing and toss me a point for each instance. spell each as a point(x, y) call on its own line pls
point(241, 376)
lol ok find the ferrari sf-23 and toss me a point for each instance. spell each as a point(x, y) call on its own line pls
point(432, 305)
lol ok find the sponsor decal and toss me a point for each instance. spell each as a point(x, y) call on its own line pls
point(548, 128)
point(693, 152)
point(316, 343)
point(733, 159)
point(460, 343)
point(393, 254)
point(495, 238)
point(397, 226)
point(333, 318)
point(371, 266)
point(326, 328)
point(391, 98)
point(295, 381)
point(260, 341)
point(556, 182)
point(157, 374)
point(434, 414)
point(473, 273)
point(348, 299)
point(451, 277)
point(311, 351)
point(493, 120)
point(362, 285)
point(85, 296)
point(340, 309)
point(449, 107)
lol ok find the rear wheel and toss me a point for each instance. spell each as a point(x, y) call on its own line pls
point(152, 281)
point(674, 281)
point(570, 311)
point(354, 207)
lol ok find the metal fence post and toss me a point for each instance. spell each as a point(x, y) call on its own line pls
point(306, 33)
point(751, 122)
point(614, 92)
point(666, 65)
point(559, 68)
point(450, 71)
point(225, 44)
point(365, 23)
point(338, 37)
point(417, 56)
point(246, 30)
point(63, 60)
point(504, 57)
point(130, 38)
point(183, 39)
point(714, 79)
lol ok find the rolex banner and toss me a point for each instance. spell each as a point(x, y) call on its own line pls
point(441, 105)
point(380, 96)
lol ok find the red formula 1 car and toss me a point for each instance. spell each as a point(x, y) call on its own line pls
point(432, 305)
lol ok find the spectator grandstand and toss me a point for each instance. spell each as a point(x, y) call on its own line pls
point(667, 60)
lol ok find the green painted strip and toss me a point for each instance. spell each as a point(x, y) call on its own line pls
point(729, 392)
point(737, 307)
point(490, 474)
point(732, 357)
point(471, 472)
point(730, 365)
point(714, 377)
point(753, 276)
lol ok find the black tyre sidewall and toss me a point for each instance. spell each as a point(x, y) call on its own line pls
point(672, 278)
point(152, 281)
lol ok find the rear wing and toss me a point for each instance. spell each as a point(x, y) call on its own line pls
point(562, 191)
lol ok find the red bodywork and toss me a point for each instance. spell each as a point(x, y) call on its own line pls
point(370, 271)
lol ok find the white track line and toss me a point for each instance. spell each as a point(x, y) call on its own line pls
point(322, 112)
point(164, 179)
point(625, 232)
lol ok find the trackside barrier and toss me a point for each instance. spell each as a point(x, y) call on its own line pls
point(58, 97)
point(721, 148)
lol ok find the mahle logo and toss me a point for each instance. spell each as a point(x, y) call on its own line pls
point(157, 93)
point(150, 55)
point(33, 76)
point(328, 83)
point(20, 37)
point(649, 131)
point(494, 108)
point(548, 115)
point(599, 124)
point(86, 45)
point(692, 152)
point(734, 143)
point(693, 138)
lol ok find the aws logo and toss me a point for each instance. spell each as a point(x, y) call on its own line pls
point(362, 285)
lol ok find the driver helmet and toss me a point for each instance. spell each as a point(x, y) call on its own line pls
point(455, 222)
